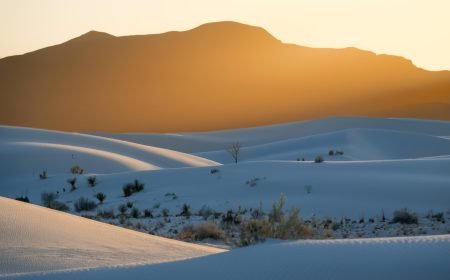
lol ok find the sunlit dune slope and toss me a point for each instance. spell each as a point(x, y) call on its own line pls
point(29, 151)
point(216, 76)
point(33, 238)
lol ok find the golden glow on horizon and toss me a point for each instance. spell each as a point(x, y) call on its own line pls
point(414, 29)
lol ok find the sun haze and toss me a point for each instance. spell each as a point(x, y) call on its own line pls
point(414, 29)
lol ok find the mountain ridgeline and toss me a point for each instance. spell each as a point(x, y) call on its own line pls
point(216, 76)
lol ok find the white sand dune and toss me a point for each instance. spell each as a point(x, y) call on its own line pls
point(424, 257)
point(217, 140)
point(25, 152)
point(33, 239)
point(356, 143)
point(387, 164)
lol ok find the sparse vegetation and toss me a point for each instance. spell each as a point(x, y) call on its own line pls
point(76, 169)
point(92, 181)
point(201, 232)
point(318, 159)
point(148, 213)
point(106, 214)
point(185, 210)
point(135, 213)
point(253, 182)
point(49, 200)
point(404, 216)
point(84, 204)
point(234, 150)
point(122, 209)
point(133, 187)
point(72, 182)
point(254, 230)
point(43, 175)
point(206, 212)
point(276, 214)
point(292, 227)
point(101, 197)
point(23, 198)
point(165, 212)
point(214, 171)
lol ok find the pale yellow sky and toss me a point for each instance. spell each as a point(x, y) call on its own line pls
point(416, 29)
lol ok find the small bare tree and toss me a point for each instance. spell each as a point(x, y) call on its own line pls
point(233, 149)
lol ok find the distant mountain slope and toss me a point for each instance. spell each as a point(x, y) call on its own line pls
point(216, 76)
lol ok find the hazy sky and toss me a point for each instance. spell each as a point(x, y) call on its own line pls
point(416, 29)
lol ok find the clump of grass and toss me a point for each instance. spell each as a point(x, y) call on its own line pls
point(200, 232)
point(134, 187)
point(49, 200)
point(101, 197)
point(92, 181)
point(318, 159)
point(84, 204)
point(254, 230)
point(76, 169)
point(404, 216)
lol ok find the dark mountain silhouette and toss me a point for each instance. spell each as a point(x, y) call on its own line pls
point(216, 76)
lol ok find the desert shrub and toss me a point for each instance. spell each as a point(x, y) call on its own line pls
point(72, 182)
point(148, 213)
point(257, 214)
point(338, 153)
point(134, 187)
point(23, 198)
point(252, 231)
point(106, 214)
point(129, 204)
point(135, 213)
point(43, 175)
point(92, 181)
point(49, 200)
point(331, 152)
point(276, 213)
point(206, 212)
point(165, 212)
point(122, 208)
point(233, 218)
point(76, 169)
point(84, 204)
point(185, 210)
point(173, 195)
point(292, 227)
point(187, 233)
point(253, 182)
point(208, 230)
point(318, 159)
point(201, 232)
point(404, 216)
point(214, 170)
point(438, 217)
point(101, 197)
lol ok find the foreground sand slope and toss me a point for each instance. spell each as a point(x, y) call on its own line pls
point(33, 239)
point(423, 257)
